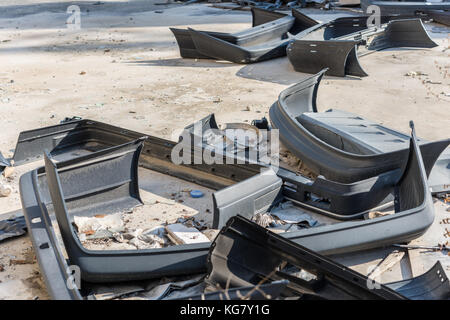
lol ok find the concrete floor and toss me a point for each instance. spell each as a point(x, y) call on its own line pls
point(123, 67)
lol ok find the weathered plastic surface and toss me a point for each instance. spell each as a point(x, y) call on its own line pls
point(334, 45)
point(81, 136)
point(107, 181)
point(344, 201)
point(263, 41)
point(432, 285)
point(235, 259)
point(439, 16)
point(347, 166)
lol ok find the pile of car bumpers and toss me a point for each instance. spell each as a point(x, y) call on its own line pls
point(358, 167)
point(92, 168)
point(309, 45)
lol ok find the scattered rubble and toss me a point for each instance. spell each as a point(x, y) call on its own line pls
point(415, 73)
point(8, 171)
point(5, 189)
point(180, 234)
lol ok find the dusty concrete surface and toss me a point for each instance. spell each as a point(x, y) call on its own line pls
point(123, 67)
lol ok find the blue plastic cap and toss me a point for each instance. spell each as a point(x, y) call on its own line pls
point(196, 194)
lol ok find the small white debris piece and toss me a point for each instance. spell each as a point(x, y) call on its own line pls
point(415, 73)
point(5, 190)
point(8, 171)
point(180, 234)
point(111, 222)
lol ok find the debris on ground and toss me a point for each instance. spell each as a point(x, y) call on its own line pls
point(295, 164)
point(91, 225)
point(28, 258)
point(211, 234)
point(13, 227)
point(290, 214)
point(180, 234)
point(415, 73)
point(439, 247)
point(169, 288)
point(8, 171)
point(263, 219)
point(196, 194)
point(376, 214)
point(5, 189)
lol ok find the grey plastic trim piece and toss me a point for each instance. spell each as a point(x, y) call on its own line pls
point(334, 45)
point(432, 285)
point(261, 42)
point(346, 167)
point(235, 259)
point(256, 195)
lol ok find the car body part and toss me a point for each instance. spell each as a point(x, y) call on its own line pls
point(266, 291)
point(344, 201)
point(3, 163)
point(432, 285)
point(234, 260)
point(414, 210)
point(113, 187)
point(410, 8)
point(360, 149)
point(267, 39)
point(439, 16)
point(336, 45)
point(13, 227)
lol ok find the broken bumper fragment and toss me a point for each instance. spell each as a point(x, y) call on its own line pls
point(358, 154)
point(336, 45)
point(267, 39)
point(234, 260)
point(63, 189)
